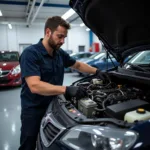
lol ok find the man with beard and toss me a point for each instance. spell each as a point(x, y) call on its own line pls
point(42, 70)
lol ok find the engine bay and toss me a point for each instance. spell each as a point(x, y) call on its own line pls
point(113, 99)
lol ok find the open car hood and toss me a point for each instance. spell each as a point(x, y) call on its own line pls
point(123, 26)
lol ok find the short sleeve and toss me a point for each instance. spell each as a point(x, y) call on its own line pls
point(67, 59)
point(29, 63)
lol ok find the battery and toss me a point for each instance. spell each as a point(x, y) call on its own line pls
point(87, 107)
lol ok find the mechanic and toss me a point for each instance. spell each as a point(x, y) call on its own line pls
point(42, 70)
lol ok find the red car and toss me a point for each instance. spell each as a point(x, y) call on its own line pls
point(10, 72)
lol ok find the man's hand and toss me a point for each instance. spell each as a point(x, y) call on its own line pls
point(75, 91)
point(102, 75)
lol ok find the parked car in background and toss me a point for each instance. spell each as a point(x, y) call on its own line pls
point(81, 55)
point(100, 61)
point(78, 56)
point(68, 51)
point(10, 72)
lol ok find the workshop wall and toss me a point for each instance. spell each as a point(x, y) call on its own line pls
point(3, 38)
point(21, 35)
point(77, 36)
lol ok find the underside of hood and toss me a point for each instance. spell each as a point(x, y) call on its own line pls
point(122, 25)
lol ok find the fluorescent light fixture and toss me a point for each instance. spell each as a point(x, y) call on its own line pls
point(1, 13)
point(87, 29)
point(82, 25)
point(10, 26)
point(68, 14)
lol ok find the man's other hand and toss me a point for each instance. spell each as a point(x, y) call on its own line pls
point(102, 75)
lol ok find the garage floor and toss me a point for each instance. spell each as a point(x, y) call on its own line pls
point(10, 114)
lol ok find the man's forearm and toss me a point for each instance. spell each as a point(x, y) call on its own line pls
point(86, 68)
point(46, 89)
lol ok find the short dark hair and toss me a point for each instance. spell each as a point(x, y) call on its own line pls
point(53, 22)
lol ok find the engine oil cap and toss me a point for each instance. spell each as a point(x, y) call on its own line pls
point(119, 86)
point(141, 111)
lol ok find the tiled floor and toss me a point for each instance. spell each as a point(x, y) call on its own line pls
point(10, 114)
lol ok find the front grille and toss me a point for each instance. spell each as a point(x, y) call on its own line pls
point(51, 131)
point(5, 72)
point(4, 80)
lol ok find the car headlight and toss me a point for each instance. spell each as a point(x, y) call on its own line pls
point(88, 137)
point(16, 70)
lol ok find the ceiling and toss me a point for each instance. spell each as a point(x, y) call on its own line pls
point(29, 12)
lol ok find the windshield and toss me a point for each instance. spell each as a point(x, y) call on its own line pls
point(97, 55)
point(139, 62)
point(141, 58)
point(9, 56)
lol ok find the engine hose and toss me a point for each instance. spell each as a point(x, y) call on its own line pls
point(103, 103)
point(109, 90)
point(91, 85)
point(89, 92)
point(97, 100)
point(100, 95)
point(98, 109)
point(104, 86)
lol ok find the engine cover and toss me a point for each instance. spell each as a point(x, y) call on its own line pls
point(119, 110)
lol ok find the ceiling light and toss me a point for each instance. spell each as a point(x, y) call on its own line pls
point(10, 26)
point(68, 14)
point(87, 29)
point(82, 24)
point(1, 13)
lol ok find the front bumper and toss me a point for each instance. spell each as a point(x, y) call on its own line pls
point(10, 80)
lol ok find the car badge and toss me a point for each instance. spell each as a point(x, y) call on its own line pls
point(0, 71)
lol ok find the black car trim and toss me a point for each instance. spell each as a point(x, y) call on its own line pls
point(4, 73)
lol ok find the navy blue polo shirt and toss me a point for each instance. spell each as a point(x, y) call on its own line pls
point(35, 61)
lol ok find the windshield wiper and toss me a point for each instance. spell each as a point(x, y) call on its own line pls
point(144, 65)
point(138, 67)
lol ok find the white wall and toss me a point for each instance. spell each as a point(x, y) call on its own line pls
point(29, 35)
point(10, 39)
point(78, 36)
point(3, 38)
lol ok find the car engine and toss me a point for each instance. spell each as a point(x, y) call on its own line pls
point(111, 99)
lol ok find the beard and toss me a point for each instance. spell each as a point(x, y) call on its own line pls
point(53, 45)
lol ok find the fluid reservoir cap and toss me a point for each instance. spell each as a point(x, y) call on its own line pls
point(141, 111)
point(119, 86)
